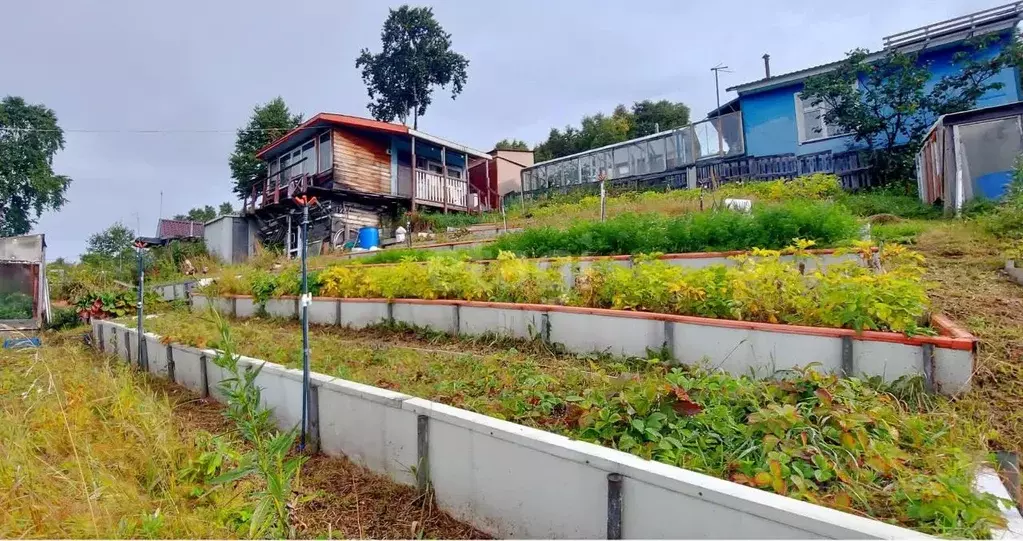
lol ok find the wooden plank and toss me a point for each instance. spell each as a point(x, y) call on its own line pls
point(361, 162)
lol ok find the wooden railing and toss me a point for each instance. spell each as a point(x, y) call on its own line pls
point(436, 189)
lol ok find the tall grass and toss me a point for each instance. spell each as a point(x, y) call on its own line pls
point(88, 451)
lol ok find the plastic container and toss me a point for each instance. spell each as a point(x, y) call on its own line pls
point(369, 237)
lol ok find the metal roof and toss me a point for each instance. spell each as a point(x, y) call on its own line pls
point(942, 33)
point(334, 119)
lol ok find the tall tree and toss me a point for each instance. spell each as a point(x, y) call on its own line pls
point(199, 214)
point(225, 208)
point(650, 116)
point(112, 246)
point(29, 138)
point(888, 104)
point(511, 144)
point(269, 122)
point(416, 57)
point(598, 130)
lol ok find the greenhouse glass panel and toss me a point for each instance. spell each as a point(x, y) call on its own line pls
point(621, 162)
point(572, 171)
point(671, 150)
point(603, 163)
point(656, 158)
point(17, 291)
point(638, 158)
point(586, 169)
point(527, 180)
point(540, 182)
point(685, 146)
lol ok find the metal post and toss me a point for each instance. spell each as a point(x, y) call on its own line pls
point(614, 506)
point(287, 236)
point(140, 338)
point(444, 173)
point(412, 180)
point(305, 324)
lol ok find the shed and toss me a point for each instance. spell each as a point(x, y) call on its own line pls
point(230, 237)
point(24, 297)
point(970, 154)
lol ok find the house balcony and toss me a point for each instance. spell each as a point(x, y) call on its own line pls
point(434, 190)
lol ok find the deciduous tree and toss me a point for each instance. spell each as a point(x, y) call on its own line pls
point(29, 138)
point(416, 56)
point(268, 123)
point(511, 144)
point(888, 103)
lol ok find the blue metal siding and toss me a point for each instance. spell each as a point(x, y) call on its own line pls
point(769, 117)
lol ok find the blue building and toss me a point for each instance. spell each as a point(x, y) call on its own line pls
point(776, 121)
point(768, 132)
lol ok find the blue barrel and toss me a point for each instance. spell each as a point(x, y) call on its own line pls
point(369, 237)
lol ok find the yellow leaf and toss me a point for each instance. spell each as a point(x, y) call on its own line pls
point(775, 469)
point(848, 441)
point(842, 501)
point(779, 486)
point(762, 479)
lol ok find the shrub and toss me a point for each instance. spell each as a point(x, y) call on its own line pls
point(768, 226)
point(903, 206)
point(64, 318)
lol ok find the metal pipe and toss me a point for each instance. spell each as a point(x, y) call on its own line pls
point(140, 338)
point(614, 506)
point(305, 324)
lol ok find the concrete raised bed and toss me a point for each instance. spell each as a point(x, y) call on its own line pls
point(738, 347)
point(694, 260)
point(513, 481)
point(1013, 271)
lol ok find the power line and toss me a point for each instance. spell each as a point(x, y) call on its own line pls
point(154, 131)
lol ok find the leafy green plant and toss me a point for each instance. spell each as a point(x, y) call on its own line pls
point(269, 459)
point(64, 318)
point(15, 305)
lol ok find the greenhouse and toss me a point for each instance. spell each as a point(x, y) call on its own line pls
point(719, 137)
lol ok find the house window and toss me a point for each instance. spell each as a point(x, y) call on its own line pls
point(810, 121)
point(285, 164)
point(309, 157)
point(326, 153)
point(454, 171)
point(430, 165)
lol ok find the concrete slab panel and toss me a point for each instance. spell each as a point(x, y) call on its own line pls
point(437, 317)
point(187, 367)
point(244, 307)
point(887, 359)
point(323, 312)
point(524, 324)
point(514, 491)
point(368, 426)
point(156, 352)
point(200, 303)
point(586, 333)
point(224, 305)
point(747, 352)
point(282, 308)
point(953, 370)
point(362, 314)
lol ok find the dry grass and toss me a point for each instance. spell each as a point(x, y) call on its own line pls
point(88, 452)
point(965, 267)
point(340, 498)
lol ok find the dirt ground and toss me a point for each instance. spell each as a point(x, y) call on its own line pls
point(969, 285)
point(341, 499)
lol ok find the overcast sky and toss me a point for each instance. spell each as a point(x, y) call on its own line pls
point(191, 65)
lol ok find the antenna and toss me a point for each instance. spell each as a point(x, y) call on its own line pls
point(717, 89)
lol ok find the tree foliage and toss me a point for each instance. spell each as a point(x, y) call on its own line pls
point(511, 144)
point(206, 213)
point(416, 57)
point(113, 245)
point(644, 118)
point(29, 138)
point(269, 122)
point(888, 104)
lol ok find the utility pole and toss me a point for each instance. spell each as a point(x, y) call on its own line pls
point(717, 93)
point(305, 301)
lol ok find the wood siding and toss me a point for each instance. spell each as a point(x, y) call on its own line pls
point(355, 216)
point(361, 162)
